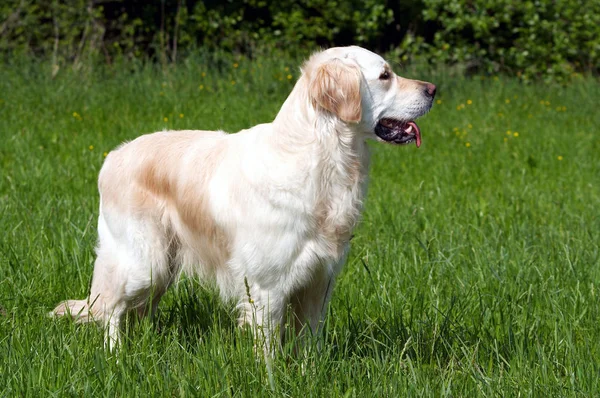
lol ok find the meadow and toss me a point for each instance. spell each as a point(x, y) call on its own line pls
point(475, 270)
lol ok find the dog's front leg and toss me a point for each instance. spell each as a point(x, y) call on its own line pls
point(263, 310)
point(309, 304)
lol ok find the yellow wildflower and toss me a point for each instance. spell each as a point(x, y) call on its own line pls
point(91, 147)
point(469, 102)
point(560, 157)
point(165, 119)
point(468, 144)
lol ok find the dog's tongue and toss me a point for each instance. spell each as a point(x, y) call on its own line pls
point(416, 131)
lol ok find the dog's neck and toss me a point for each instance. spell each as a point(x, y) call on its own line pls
point(342, 160)
point(300, 123)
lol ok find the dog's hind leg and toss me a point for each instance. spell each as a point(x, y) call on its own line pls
point(131, 271)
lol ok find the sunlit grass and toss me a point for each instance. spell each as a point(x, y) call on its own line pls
point(475, 270)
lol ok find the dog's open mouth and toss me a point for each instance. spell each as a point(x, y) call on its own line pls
point(397, 132)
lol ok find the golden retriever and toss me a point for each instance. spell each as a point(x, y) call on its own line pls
point(267, 213)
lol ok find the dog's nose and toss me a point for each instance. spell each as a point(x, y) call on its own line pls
point(430, 90)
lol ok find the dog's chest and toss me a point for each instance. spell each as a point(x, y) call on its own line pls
point(340, 203)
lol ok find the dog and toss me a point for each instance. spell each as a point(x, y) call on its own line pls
point(267, 213)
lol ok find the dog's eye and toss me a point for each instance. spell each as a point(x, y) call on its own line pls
point(385, 75)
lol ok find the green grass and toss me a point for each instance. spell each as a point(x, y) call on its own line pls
point(475, 270)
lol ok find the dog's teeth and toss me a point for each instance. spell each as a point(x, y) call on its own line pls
point(409, 129)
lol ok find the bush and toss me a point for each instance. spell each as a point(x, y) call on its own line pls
point(529, 39)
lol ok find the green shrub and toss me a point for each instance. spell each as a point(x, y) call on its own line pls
point(531, 39)
point(528, 38)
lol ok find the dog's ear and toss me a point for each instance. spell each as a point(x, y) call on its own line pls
point(335, 86)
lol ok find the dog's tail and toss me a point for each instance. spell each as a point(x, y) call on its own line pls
point(78, 310)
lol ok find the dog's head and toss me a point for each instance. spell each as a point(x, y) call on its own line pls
point(360, 89)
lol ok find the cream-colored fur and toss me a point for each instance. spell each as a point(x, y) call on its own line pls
point(267, 213)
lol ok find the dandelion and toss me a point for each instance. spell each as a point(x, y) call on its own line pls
point(235, 65)
point(203, 74)
point(468, 144)
point(508, 132)
point(564, 108)
point(470, 126)
point(105, 154)
point(438, 101)
point(469, 102)
point(181, 115)
point(560, 157)
point(289, 77)
point(75, 115)
point(233, 82)
point(91, 147)
point(201, 87)
point(507, 101)
point(515, 134)
point(455, 129)
point(286, 69)
point(165, 119)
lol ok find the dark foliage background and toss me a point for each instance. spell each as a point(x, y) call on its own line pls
point(551, 39)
